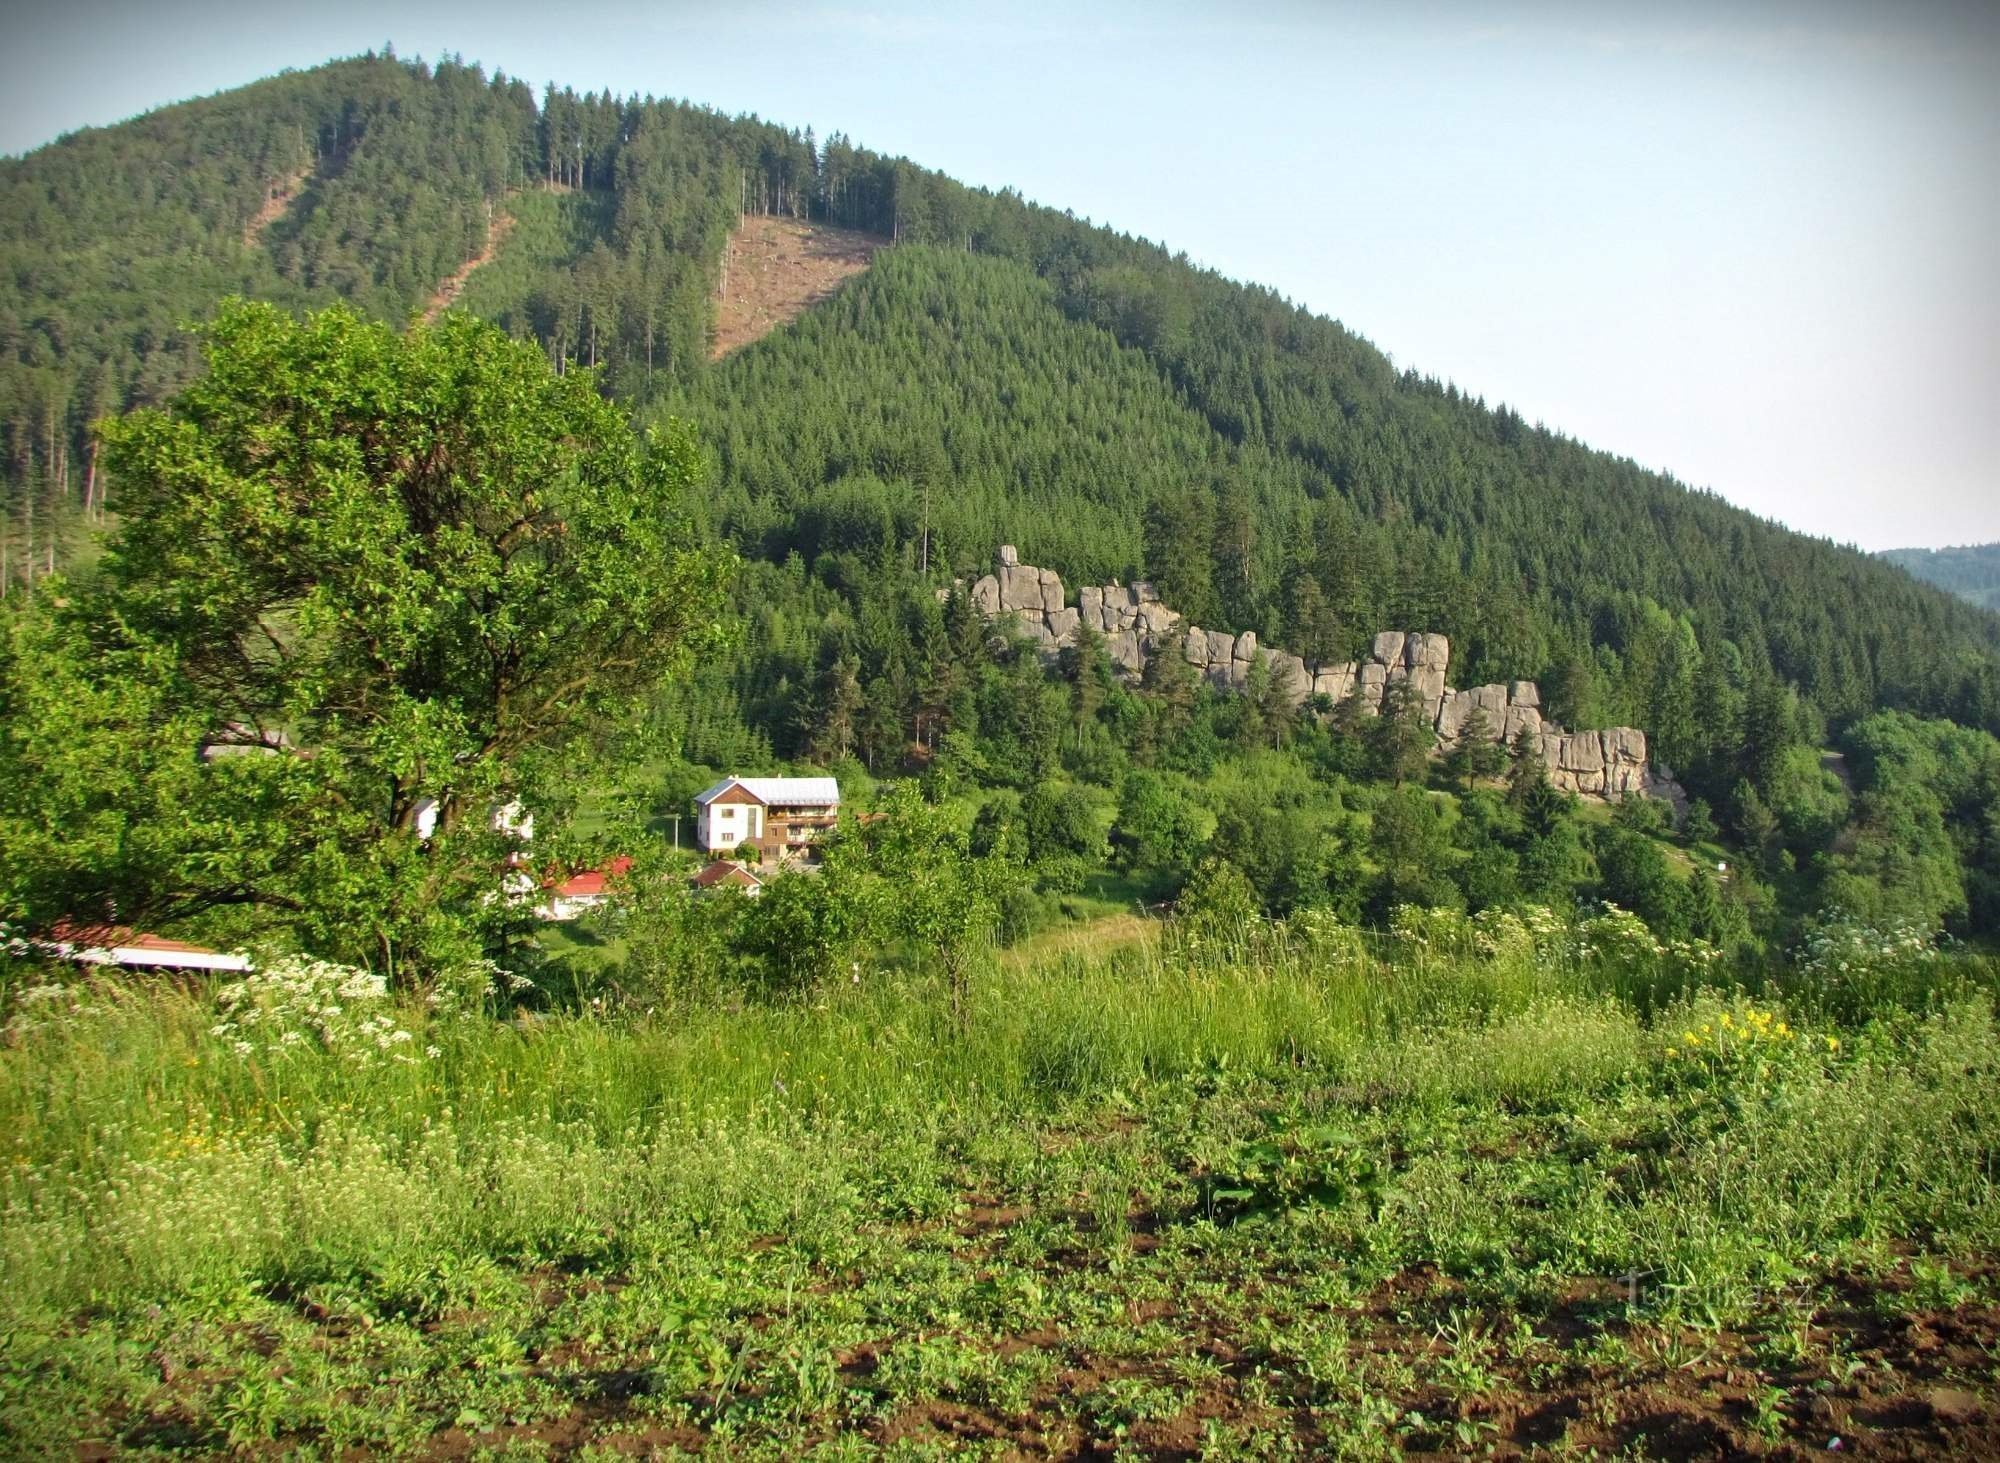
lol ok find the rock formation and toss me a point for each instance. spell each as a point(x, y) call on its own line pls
point(1134, 627)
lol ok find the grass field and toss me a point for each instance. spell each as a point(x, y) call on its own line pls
point(1297, 1193)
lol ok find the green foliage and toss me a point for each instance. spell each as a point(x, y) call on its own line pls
point(1972, 573)
point(1217, 901)
point(1157, 827)
point(393, 576)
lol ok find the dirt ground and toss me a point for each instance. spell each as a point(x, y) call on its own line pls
point(778, 268)
point(498, 227)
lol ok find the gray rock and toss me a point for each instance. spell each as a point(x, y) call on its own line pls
point(1388, 648)
point(986, 595)
point(1142, 592)
point(1062, 625)
point(1020, 588)
point(1523, 693)
point(1584, 752)
point(1246, 646)
point(1052, 590)
point(1430, 650)
point(1156, 619)
point(1221, 647)
point(1452, 709)
point(1520, 719)
point(1009, 556)
point(1288, 673)
point(1090, 604)
point(1625, 744)
point(1123, 649)
point(1334, 681)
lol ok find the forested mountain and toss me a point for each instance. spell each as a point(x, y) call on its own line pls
point(1004, 372)
point(1972, 572)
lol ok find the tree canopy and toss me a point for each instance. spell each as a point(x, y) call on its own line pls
point(386, 581)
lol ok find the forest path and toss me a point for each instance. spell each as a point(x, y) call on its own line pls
point(775, 269)
point(278, 198)
point(499, 224)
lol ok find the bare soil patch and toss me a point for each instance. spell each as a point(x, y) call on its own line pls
point(278, 198)
point(498, 226)
point(775, 269)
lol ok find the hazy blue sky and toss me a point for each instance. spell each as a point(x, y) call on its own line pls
point(1752, 244)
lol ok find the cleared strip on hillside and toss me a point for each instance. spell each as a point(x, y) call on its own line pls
point(278, 198)
point(499, 224)
point(775, 269)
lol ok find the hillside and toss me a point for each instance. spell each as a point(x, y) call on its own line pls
point(1004, 373)
point(1972, 572)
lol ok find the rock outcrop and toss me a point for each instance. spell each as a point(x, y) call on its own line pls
point(1135, 626)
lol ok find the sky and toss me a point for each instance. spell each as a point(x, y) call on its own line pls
point(1750, 244)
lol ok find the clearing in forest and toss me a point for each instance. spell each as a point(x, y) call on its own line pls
point(278, 198)
point(775, 269)
point(499, 224)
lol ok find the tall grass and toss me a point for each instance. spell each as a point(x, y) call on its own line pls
point(147, 1157)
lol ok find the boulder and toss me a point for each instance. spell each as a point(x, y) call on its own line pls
point(1195, 646)
point(1288, 674)
point(1520, 719)
point(1221, 646)
point(1584, 752)
point(1062, 625)
point(1625, 744)
point(1246, 646)
point(1142, 592)
point(1124, 652)
point(986, 595)
point(1428, 682)
point(1388, 648)
point(1009, 556)
point(1156, 619)
point(1020, 588)
point(1491, 699)
point(1090, 604)
point(1052, 591)
point(1430, 650)
point(1334, 681)
point(1523, 693)
point(1452, 709)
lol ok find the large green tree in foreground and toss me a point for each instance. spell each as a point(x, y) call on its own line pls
point(412, 575)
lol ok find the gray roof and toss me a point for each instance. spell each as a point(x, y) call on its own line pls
point(788, 791)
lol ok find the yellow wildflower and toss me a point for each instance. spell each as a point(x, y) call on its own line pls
point(1833, 1043)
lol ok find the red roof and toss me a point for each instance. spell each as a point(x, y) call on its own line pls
point(592, 882)
point(722, 870)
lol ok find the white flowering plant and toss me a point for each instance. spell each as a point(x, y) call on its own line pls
point(291, 1004)
point(1854, 968)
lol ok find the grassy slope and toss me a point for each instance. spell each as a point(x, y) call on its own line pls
point(1318, 1194)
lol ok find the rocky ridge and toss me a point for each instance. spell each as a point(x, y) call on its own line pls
point(1134, 626)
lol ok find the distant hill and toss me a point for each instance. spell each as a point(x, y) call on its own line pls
point(998, 371)
point(1972, 572)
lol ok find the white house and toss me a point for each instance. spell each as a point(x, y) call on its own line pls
point(778, 816)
